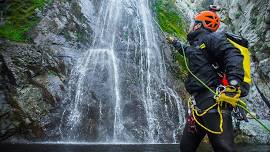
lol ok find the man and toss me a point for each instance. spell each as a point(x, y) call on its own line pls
point(207, 47)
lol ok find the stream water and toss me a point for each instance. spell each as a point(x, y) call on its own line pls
point(86, 147)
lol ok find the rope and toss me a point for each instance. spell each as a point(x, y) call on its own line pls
point(254, 117)
point(207, 129)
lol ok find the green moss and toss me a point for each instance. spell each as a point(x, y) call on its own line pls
point(20, 18)
point(171, 22)
point(182, 72)
point(170, 19)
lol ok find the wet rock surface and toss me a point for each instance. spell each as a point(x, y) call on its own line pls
point(26, 100)
point(33, 75)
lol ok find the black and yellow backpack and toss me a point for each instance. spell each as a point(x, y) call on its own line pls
point(242, 44)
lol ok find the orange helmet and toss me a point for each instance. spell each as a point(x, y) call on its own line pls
point(209, 19)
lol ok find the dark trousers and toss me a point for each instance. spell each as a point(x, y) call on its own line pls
point(220, 143)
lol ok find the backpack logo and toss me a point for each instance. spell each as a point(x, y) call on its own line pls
point(202, 46)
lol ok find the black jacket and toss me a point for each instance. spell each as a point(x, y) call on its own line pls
point(200, 59)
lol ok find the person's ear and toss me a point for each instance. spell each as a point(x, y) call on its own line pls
point(191, 27)
point(197, 26)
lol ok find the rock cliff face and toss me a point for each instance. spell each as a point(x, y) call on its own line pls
point(33, 74)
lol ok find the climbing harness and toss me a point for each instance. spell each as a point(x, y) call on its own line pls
point(219, 96)
point(193, 113)
point(227, 94)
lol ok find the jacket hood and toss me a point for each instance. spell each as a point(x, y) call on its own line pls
point(194, 36)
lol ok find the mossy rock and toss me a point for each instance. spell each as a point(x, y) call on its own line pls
point(171, 22)
point(20, 17)
point(170, 19)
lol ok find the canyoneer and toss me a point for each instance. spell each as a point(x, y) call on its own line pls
point(215, 61)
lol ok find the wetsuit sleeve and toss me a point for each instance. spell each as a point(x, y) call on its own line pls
point(228, 56)
point(179, 46)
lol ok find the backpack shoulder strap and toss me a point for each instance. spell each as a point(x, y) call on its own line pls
point(238, 39)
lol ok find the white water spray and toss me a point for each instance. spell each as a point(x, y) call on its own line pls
point(125, 65)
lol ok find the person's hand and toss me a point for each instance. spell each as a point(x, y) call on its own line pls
point(229, 94)
point(170, 39)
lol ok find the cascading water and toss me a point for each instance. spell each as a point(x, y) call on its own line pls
point(120, 91)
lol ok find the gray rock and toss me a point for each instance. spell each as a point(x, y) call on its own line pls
point(30, 100)
point(252, 133)
point(267, 17)
point(261, 56)
point(24, 61)
point(31, 88)
point(52, 85)
point(264, 66)
point(63, 25)
point(33, 75)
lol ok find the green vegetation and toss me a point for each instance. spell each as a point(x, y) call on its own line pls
point(170, 18)
point(171, 22)
point(20, 17)
point(182, 72)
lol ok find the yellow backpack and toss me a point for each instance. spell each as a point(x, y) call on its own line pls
point(242, 44)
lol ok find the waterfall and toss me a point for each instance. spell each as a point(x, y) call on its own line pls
point(120, 89)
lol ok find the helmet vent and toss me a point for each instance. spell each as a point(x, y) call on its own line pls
point(207, 22)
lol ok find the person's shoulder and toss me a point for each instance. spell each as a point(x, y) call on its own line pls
point(218, 34)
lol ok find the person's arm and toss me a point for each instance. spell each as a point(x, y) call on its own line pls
point(229, 56)
point(179, 46)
